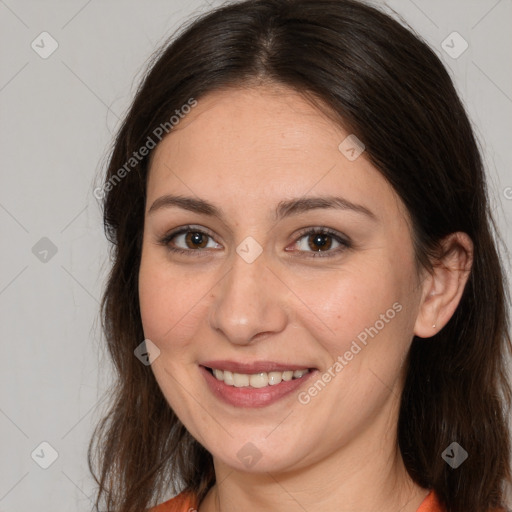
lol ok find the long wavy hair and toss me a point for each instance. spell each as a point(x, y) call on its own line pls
point(385, 85)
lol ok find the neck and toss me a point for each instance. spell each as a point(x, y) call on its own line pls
point(368, 474)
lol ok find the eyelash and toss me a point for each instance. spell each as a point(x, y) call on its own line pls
point(345, 243)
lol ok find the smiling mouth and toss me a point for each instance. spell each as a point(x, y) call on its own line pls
point(256, 380)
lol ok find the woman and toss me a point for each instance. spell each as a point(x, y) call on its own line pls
point(302, 238)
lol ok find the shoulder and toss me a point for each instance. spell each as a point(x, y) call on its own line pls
point(187, 502)
point(432, 504)
point(183, 502)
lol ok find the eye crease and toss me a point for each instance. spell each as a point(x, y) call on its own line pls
point(318, 240)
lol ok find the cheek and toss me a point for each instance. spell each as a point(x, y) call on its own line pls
point(358, 302)
point(167, 298)
point(156, 308)
point(367, 309)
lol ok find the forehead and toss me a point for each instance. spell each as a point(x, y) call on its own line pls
point(265, 121)
point(259, 145)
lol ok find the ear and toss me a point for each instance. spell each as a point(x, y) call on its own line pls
point(443, 287)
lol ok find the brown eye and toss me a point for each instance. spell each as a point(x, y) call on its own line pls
point(196, 238)
point(189, 240)
point(319, 242)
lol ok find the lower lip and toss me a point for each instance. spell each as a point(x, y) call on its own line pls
point(252, 397)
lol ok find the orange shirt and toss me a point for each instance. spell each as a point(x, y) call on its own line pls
point(186, 502)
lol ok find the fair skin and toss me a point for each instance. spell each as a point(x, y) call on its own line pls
point(245, 151)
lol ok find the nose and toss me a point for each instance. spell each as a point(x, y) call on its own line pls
point(250, 301)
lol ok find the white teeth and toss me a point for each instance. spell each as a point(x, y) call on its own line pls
point(257, 380)
point(275, 378)
point(241, 380)
point(288, 375)
point(228, 377)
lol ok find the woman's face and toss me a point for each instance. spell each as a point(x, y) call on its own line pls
point(259, 289)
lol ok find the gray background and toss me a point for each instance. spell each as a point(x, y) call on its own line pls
point(57, 118)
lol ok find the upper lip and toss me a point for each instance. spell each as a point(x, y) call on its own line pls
point(253, 367)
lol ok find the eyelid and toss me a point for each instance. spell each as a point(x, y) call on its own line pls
point(322, 230)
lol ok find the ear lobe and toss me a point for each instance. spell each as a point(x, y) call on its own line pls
point(444, 286)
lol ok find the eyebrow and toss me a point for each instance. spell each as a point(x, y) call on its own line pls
point(284, 209)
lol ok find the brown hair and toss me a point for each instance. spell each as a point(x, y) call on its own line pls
point(388, 88)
